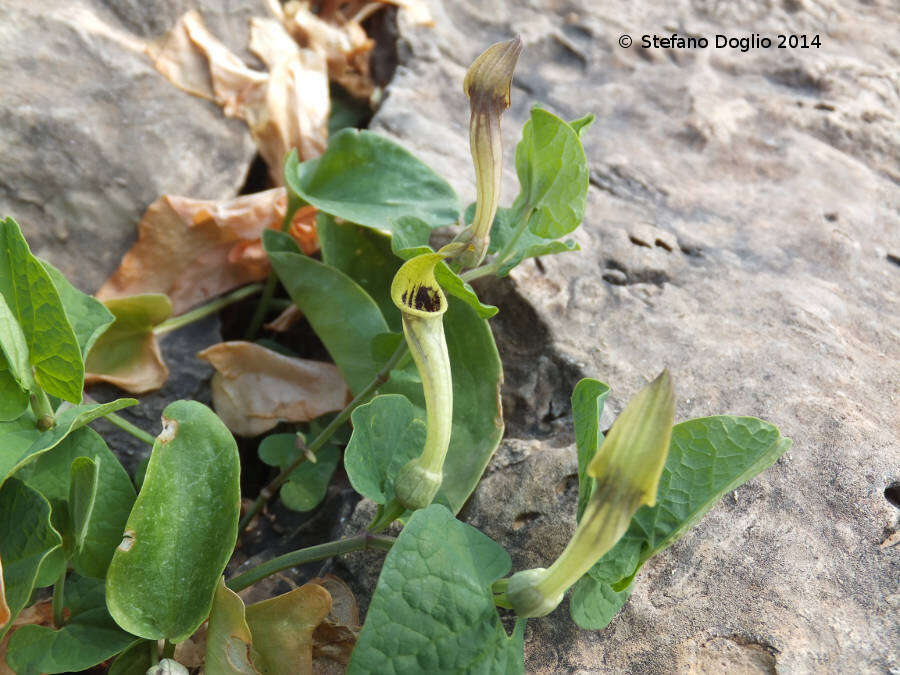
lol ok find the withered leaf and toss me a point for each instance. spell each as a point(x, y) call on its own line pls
point(193, 250)
point(335, 637)
point(254, 388)
point(127, 354)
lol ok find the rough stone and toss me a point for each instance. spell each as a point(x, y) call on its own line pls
point(92, 134)
point(743, 230)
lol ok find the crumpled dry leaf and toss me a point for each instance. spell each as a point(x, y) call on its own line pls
point(254, 388)
point(335, 637)
point(285, 108)
point(346, 47)
point(127, 355)
point(282, 629)
point(193, 250)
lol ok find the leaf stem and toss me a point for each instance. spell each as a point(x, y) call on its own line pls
point(40, 404)
point(360, 542)
point(58, 600)
point(293, 204)
point(203, 311)
point(504, 253)
point(168, 650)
point(127, 426)
point(271, 489)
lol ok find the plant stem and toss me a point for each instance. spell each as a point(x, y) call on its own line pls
point(203, 311)
point(57, 603)
point(360, 542)
point(125, 425)
point(271, 489)
point(154, 652)
point(293, 205)
point(168, 650)
point(503, 254)
point(40, 405)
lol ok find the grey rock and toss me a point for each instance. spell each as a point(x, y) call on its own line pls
point(92, 134)
point(742, 218)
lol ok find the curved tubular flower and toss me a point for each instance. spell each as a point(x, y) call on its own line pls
point(422, 302)
point(487, 85)
point(627, 468)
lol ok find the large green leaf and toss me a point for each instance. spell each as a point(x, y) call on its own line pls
point(16, 379)
point(182, 529)
point(88, 316)
point(553, 175)
point(370, 180)
point(307, 484)
point(53, 349)
point(22, 445)
point(594, 603)
point(341, 313)
point(49, 475)
point(228, 635)
point(708, 457)
point(364, 255)
point(433, 609)
point(89, 637)
point(587, 405)
point(26, 539)
point(386, 435)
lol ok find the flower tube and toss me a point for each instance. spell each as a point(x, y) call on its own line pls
point(627, 468)
point(422, 303)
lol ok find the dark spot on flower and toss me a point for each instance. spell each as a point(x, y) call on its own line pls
point(427, 299)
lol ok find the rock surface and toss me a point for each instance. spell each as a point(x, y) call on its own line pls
point(742, 230)
point(92, 134)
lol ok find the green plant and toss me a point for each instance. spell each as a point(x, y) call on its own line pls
point(420, 360)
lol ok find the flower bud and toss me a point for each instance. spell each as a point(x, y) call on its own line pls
point(487, 85)
point(627, 468)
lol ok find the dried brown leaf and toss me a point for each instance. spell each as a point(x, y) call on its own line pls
point(345, 46)
point(254, 388)
point(193, 250)
point(287, 318)
point(285, 108)
point(335, 637)
point(282, 629)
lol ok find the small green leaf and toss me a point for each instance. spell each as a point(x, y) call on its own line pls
point(582, 124)
point(433, 609)
point(89, 637)
point(282, 629)
point(317, 290)
point(182, 529)
point(364, 255)
point(49, 474)
point(370, 180)
point(553, 174)
point(26, 539)
point(16, 379)
point(451, 282)
point(386, 435)
point(587, 405)
point(53, 349)
point(594, 604)
point(308, 483)
point(22, 445)
point(88, 316)
point(85, 478)
point(135, 660)
point(228, 636)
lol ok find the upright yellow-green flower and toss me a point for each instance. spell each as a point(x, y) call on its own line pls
point(627, 468)
point(487, 85)
point(422, 303)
